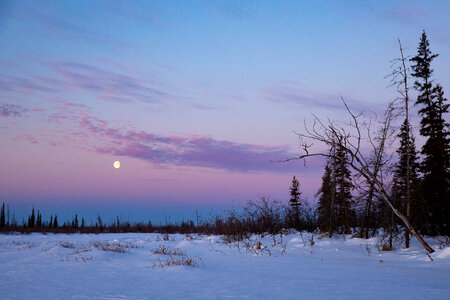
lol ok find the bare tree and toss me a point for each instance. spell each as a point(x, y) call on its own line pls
point(399, 79)
point(350, 138)
point(375, 164)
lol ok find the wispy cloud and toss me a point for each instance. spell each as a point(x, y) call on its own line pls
point(292, 96)
point(18, 84)
point(77, 127)
point(53, 26)
point(27, 137)
point(11, 110)
point(187, 151)
point(102, 82)
point(108, 85)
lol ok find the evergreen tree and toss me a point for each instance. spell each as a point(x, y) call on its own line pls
point(343, 190)
point(326, 204)
point(39, 219)
point(335, 200)
point(8, 220)
point(55, 222)
point(50, 224)
point(436, 161)
point(2, 216)
point(294, 202)
point(32, 219)
point(400, 177)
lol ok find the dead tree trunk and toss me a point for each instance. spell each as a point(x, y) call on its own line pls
point(404, 74)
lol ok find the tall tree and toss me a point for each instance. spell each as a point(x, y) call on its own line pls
point(406, 179)
point(294, 202)
point(400, 76)
point(8, 220)
point(326, 203)
point(343, 189)
point(349, 137)
point(75, 222)
point(2, 216)
point(436, 161)
point(38, 219)
point(32, 219)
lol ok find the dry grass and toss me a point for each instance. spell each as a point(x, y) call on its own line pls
point(165, 237)
point(190, 237)
point(82, 250)
point(176, 261)
point(67, 245)
point(163, 250)
point(114, 246)
point(23, 245)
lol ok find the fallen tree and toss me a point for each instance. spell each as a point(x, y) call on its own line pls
point(350, 138)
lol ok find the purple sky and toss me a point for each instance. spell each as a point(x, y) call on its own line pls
point(194, 98)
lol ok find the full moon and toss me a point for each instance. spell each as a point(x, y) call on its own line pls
point(117, 164)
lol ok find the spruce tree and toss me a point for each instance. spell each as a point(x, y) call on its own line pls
point(8, 220)
point(38, 219)
point(75, 222)
point(343, 190)
point(294, 202)
point(435, 166)
point(55, 222)
point(32, 219)
point(2, 216)
point(400, 176)
point(326, 205)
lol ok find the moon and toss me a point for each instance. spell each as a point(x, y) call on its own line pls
point(117, 164)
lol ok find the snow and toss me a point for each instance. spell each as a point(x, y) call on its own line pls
point(59, 266)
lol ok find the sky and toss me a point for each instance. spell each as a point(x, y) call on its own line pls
point(194, 98)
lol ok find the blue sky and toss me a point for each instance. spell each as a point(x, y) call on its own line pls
point(193, 97)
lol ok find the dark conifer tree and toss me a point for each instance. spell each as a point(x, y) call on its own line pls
point(2, 216)
point(75, 222)
point(32, 219)
point(435, 166)
point(55, 222)
point(50, 224)
point(38, 219)
point(294, 202)
point(400, 178)
point(326, 204)
point(343, 191)
point(8, 220)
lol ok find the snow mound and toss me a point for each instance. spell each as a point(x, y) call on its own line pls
point(443, 253)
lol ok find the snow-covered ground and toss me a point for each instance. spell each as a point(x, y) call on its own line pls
point(131, 266)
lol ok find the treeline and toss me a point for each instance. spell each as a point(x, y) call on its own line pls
point(262, 216)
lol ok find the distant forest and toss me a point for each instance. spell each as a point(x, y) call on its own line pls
point(362, 193)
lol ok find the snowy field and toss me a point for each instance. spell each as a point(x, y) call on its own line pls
point(141, 266)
